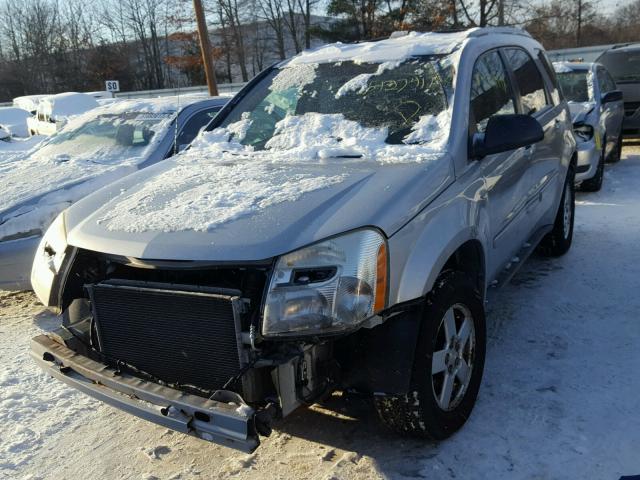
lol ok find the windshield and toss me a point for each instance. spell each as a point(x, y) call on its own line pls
point(623, 66)
point(391, 97)
point(575, 85)
point(107, 137)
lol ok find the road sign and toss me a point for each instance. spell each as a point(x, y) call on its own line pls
point(112, 86)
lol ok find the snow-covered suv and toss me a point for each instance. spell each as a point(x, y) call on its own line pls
point(336, 228)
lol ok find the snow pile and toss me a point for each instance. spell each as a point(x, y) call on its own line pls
point(64, 105)
point(293, 77)
point(389, 50)
point(432, 129)
point(28, 102)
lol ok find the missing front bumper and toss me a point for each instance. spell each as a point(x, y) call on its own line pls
point(229, 424)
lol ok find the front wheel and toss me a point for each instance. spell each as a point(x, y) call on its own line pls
point(558, 241)
point(616, 154)
point(594, 184)
point(448, 363)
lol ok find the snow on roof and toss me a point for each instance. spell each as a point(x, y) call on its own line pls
point(11, 115)
point(67, 104)
point(391, 49)
point(568, 67)
point(28, 102)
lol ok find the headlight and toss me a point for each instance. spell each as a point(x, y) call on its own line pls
point(327, 287)
point(583, 131)
point(48, 259)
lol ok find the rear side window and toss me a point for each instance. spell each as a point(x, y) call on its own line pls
point(491, 92)
point(604, 79)
point(551, 73)
point(529, 80)
point(194, 124)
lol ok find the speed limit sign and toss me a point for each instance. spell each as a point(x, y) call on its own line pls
point(112, 86)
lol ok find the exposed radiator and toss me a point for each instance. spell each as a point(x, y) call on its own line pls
point(189, 337)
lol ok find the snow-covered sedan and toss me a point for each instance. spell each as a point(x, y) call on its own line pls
point(597, 112)
point(94, 149)
point(14, 120)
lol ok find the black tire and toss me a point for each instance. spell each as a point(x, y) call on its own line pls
point(594, 184)
point(419, 412)
point(616, 154)
point(558, 241)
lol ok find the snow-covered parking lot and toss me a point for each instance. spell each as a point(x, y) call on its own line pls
point(560, 397)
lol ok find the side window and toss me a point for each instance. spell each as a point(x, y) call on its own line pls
point(529, 80)
point(604, 79)
point(190, 131)
point(491, 92)
point(556, 93)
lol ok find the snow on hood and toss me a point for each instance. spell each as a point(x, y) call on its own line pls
point(218, 179)
point(41, 182)
point(389, 50)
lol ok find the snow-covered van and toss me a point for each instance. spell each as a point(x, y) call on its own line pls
point(92, 150)
point(54, 110)
point(337, 227)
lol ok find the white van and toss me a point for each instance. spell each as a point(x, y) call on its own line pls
point(54, 110)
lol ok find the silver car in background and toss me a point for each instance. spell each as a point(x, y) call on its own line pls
point(597, 112)
point(95, 149)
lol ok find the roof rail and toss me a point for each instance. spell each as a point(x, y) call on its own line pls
point(480, 32)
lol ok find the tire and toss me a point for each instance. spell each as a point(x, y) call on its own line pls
point(616, 155)
point(558, 241)
point(594, 184)
point(423, 412)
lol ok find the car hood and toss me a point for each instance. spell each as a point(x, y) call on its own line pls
point(580, 110)
point(245, 225)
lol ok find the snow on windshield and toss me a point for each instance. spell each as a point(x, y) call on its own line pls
point(395, 112)
point(93, 149)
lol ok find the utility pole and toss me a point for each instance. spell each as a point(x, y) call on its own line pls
point(205, 48)
point(579, 32)
point(501, 12)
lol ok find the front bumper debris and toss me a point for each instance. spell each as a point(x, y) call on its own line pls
point(230, 424)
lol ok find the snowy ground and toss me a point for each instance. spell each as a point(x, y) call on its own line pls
point(17, 147)
point(560, 398)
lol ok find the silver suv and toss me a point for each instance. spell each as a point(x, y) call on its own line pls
point(337, 227)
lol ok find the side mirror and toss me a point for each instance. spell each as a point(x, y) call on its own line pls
point(612, 96)
point(506, 132)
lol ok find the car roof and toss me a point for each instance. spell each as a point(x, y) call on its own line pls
point(401, 45)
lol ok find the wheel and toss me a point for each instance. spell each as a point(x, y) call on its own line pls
point(594, 184)
point(448, 363)
point(558, 241)
point(616, 154)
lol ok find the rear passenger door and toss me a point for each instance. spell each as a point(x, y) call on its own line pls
point(543, 175)
point(612, 113)
point(492, 94)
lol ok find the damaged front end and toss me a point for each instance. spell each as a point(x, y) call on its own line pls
point(210, 350)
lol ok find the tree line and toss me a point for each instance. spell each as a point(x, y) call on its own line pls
point(49, 46)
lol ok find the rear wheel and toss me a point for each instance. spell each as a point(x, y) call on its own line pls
point(448, 363)
point(558, 241)
point(594, 184)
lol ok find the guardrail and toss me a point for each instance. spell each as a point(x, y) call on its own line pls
point(223, 88)
point(6, 104)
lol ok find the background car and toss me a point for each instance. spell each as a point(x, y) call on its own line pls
point(14, 120)
point(597, 112)
point(54, 110)
point(93, 150)
point(623, 62)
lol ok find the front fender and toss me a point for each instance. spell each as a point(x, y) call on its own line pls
point(420, 250)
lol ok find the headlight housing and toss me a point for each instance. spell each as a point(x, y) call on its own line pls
point(328, 287)
point(583, 131)
point(48, 259)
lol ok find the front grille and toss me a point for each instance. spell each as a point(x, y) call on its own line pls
point(183, 336)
